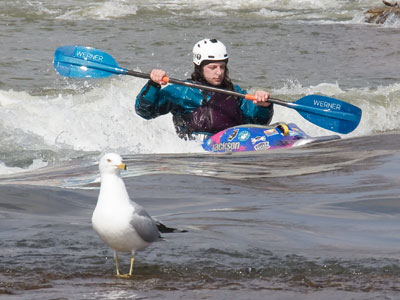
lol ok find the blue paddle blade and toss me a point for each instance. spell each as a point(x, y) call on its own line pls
point(85, 62)
point(328, 113)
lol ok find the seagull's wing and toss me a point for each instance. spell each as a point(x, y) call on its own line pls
point(144, 225)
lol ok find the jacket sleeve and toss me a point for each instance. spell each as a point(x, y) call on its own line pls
point(154, 101)
point(253, 113)
point(150, 102)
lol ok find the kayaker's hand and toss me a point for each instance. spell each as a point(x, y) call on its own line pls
point(157, 75)
point(262, 98)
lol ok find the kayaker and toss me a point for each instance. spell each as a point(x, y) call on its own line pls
point(195, 111)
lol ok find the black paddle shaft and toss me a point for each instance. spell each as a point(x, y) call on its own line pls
point(202, 87)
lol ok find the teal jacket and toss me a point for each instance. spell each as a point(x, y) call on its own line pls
point(184, 102)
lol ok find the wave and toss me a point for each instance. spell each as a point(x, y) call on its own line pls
point(334, 10)
point(101, 11)
point(100, 118)
point(104, 116)
point(42, 129)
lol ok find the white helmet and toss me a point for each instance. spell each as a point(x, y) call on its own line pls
point(209, 49)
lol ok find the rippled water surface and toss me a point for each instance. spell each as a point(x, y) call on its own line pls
point(316, 221)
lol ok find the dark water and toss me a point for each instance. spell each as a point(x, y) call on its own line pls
point(316, 221)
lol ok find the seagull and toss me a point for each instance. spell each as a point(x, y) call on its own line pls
point(121, 223)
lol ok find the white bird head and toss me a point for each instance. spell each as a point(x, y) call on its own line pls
point(111, 163)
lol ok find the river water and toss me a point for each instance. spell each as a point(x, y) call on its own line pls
point(317, 221)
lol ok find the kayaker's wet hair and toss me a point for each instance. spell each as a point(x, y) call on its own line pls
point(197, 75)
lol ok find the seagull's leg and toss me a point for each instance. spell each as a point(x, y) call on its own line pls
point(119, 275)
point(132, 261)
point(117, 266)
point(116, 263)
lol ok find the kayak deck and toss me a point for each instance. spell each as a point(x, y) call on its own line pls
point(251, 137)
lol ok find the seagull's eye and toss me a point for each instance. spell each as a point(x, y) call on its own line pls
point(108, 160)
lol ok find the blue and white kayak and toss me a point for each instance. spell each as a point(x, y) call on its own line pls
point(260, 138)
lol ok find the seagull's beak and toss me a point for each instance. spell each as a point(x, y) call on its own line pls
point(122, 166)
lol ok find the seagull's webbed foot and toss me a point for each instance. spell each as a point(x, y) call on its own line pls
point(125, 276)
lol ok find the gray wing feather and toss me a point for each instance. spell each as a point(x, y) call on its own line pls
point(145, 226)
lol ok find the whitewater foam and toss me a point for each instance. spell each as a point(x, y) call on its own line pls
point(102, 118)
point(380, 107)
point(102, 11)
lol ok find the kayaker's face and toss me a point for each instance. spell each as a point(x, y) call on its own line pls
point(214, 72)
